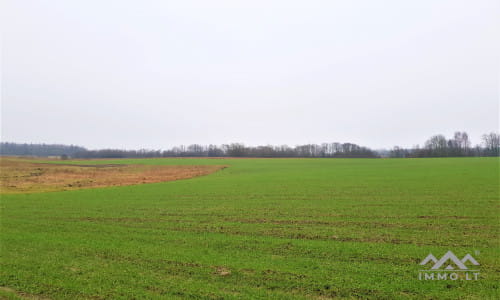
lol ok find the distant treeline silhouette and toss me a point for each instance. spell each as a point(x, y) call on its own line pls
point(39, 149)
point(436, 146)
point(195, 150)
point(240, 150)
point(459, 145)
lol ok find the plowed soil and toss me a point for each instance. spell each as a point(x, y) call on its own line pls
point(24, 176)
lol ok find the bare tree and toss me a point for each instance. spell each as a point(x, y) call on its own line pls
point(437, 145)
point(460, 144)
point(491, 143)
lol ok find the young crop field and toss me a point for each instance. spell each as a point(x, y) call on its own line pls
point(252, 229)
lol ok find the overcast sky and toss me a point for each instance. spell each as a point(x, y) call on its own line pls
point(154, 74)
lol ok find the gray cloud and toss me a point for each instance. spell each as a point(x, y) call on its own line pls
point(160, 73)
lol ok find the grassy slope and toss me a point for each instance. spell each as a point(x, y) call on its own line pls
point(283, 228)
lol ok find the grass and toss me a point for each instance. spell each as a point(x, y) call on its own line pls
point(259, 229)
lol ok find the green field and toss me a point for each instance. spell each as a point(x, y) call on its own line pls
point(259, 229)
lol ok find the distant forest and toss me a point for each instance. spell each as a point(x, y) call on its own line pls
point(40, 149)
point(436, 146)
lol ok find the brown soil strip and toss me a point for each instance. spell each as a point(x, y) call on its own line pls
point(21, 295)
point(22, 176)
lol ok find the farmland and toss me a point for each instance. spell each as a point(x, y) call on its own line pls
point(24, 176)
point(257, 229)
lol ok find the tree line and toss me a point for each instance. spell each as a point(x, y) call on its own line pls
point(239, 150)
point(39, 149)
point(435, 146)
point(459, 145)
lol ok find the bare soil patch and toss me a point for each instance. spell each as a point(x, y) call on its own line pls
point(21, 295)
point(222, 271)
point(24, 176)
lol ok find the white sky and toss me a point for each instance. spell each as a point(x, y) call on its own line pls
point(154, 74)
